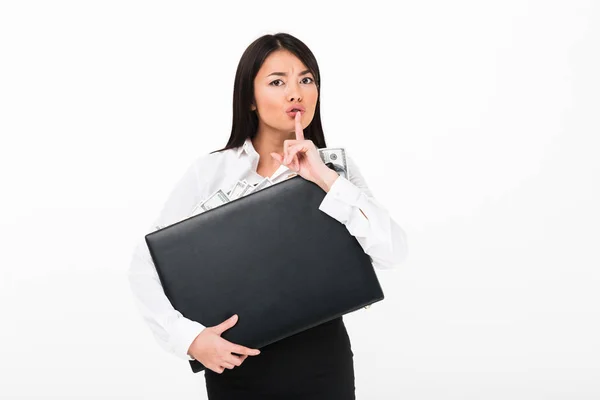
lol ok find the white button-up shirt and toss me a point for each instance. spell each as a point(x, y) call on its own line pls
point(380, 237)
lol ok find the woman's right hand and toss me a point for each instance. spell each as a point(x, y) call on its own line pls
point(214, 352)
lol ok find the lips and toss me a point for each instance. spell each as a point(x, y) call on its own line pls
point(295, 107)
point(292, 114)
point(292, 110)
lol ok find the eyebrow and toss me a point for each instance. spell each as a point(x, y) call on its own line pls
point(284, 74)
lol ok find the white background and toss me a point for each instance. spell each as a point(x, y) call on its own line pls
point(475, 123)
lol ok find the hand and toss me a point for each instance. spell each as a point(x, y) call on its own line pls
point(302, 156)
point(214, 352)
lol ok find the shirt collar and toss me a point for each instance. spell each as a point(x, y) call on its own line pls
point(251, 152)
point(246, 147)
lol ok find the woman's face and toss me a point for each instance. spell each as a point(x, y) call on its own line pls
point(283, 81)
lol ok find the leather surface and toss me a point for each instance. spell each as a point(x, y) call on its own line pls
point(272, 257)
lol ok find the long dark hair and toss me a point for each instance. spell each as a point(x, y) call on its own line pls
point(245, 121)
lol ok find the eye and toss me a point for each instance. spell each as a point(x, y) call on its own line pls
point(276, 80)
point(274, 83)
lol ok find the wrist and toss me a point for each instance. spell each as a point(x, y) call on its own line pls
point(328, 178)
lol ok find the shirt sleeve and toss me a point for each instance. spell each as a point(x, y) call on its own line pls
point(170, 328)
point(378, 234)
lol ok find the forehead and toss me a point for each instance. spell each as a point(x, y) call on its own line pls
point(281, 61)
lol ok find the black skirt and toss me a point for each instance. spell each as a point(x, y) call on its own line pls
point(311, 365)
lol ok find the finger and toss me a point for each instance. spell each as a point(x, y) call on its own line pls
point(277, 157)
point(293, 162)
point(218, 369)
point(240, 357)
point(295, 149)
point(227, 365)
point(289, 154)
point(287, 144)
point(232, 359)
point(236, 348)
point(228, 323)
point(299, 132)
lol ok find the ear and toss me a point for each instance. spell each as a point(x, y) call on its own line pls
point(252, 107)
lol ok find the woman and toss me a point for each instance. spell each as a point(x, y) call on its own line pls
point(276, 76)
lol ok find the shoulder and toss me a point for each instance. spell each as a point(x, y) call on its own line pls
point(206, 160)
point(208, 163)
point(213, 169)
point(198, 176)
point(192, 187)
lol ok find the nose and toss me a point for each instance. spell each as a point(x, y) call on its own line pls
point(294, 92)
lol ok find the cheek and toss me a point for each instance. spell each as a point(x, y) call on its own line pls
point(267, 102)
point(313, 95)
point(313, 99)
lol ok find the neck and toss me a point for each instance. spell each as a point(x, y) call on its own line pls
point(269, 141)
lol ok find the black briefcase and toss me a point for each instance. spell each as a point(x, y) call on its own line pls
point(272, 257)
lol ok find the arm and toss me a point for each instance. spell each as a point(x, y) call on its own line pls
point(170, 328)
point(351, 203)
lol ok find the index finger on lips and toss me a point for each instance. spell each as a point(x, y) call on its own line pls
point(299, 133)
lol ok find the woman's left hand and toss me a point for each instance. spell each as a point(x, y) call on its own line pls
point(302, 157)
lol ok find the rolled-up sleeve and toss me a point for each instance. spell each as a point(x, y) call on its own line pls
point(378, 234)
point(174, 332)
